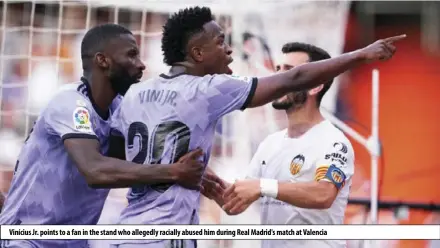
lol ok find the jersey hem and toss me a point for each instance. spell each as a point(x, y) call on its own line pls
point(251, 93)
point(78, 136)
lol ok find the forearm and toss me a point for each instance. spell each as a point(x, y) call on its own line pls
point(115, 173)
point(305, 195)
point(313, 74)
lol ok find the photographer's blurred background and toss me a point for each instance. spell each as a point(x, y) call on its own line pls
point(39, 51)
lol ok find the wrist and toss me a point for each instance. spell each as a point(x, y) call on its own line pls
point(269, 187)
point(173, 172)
point(359, 55)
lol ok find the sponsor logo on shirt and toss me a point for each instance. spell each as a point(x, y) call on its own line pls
point(341, 147)
point(339, 154)
point(246, 79)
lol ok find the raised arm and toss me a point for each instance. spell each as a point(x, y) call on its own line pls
point(106, 172)
point(313, 74)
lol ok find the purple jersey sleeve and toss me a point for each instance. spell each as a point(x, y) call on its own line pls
point(69, 116)
point(228, 93)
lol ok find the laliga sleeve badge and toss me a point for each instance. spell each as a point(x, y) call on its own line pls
point(336, 176)
point(81, 120)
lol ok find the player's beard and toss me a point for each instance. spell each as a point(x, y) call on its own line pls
point(121, 80)
point(292, 100)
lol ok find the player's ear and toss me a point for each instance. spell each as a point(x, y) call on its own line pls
point(101, 60)
point(316, 90)
point(196, 54)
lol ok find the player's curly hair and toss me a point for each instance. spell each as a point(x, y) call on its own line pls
point(96, 38)
point(179, 28)
point(315, 54)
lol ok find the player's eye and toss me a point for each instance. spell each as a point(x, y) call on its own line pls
point(133, 53)
point(277, 68)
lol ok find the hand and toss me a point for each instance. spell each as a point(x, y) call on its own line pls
point(188, 171)
point(381, 50)
point(240, 196)
point(213, 187)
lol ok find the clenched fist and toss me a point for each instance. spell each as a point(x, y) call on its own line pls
point(380, 50)
point(188, 171)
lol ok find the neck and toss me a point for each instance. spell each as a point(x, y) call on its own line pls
point(303, 119)
point(187, 68)
point(102, 93)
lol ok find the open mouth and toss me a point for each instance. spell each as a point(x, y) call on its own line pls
point(228, 70)
point(139, 77)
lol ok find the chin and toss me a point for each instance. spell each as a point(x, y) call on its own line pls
point(280, 106)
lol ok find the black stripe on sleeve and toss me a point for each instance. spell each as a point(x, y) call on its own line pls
point(78, 136)
point(251, 93)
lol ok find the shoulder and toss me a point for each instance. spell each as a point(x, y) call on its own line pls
point(336, 143)
point(273, 138)
point(232, 78)
point(71, 91)
point(334, 134)
point(69, 97)
point(219, 80)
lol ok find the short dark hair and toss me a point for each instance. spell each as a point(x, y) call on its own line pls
point(96, 38)
point(178, 30)
point(315, 54)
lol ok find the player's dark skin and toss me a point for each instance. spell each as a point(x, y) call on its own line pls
point(207, 53)
point(2, 201)
point(122, 53)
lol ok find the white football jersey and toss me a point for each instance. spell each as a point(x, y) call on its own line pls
point(322, 153)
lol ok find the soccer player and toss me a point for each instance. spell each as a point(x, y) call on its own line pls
point(178, 111)
point(303, 172)
point(62, 162)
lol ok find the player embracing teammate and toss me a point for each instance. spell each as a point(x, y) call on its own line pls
point(63, 175)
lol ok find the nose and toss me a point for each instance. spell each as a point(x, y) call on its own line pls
point(140, 65)
point(228, 49)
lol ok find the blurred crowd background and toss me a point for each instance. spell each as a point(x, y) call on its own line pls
point(40, 50)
